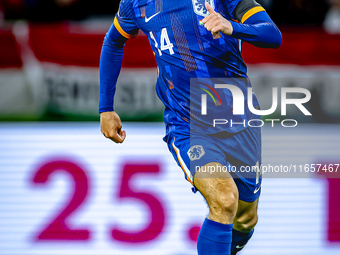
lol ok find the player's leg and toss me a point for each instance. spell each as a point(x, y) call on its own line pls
point(194, 153)
point(221, 194)
point(246, 160)
point(244, 223)
point(248, 178)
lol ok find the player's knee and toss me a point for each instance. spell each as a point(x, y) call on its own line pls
point(246, 223)
point(225, 203)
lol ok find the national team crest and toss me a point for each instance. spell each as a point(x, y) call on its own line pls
point(196, 152)
point(199, 7)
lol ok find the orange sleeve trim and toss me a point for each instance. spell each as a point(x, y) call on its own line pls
point(251, 12)
point(121, 31)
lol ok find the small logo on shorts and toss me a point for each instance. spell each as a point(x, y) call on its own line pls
point(196, 152)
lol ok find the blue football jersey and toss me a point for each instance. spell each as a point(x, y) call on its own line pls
point(186, 51)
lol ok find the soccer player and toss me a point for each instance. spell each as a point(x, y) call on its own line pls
point(200, 39)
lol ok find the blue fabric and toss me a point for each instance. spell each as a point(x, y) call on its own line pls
point(110, 65)
point(231, 5)
point(192, 53)
point(234, 151)
point(126, 17)
point(239, 240)
point(258, 30)
point(214, 238)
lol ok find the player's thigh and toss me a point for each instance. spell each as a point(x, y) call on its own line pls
point(220, 192)
point(215, 186)
point(246, 216)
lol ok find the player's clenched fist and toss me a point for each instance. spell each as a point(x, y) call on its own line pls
point(215, 22)
point(111, 127)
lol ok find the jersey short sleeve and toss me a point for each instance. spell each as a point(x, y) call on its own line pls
point(244, 9)
point(124, 20)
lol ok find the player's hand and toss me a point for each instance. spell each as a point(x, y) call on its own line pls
point(111, 127)
point(216, 23)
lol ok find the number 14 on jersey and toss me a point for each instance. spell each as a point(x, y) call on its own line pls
point(165, 42)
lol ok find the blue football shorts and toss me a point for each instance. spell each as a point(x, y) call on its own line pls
point(239, 154)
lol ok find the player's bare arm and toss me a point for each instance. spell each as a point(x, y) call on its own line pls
point(111, 127)
point(216, 23)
